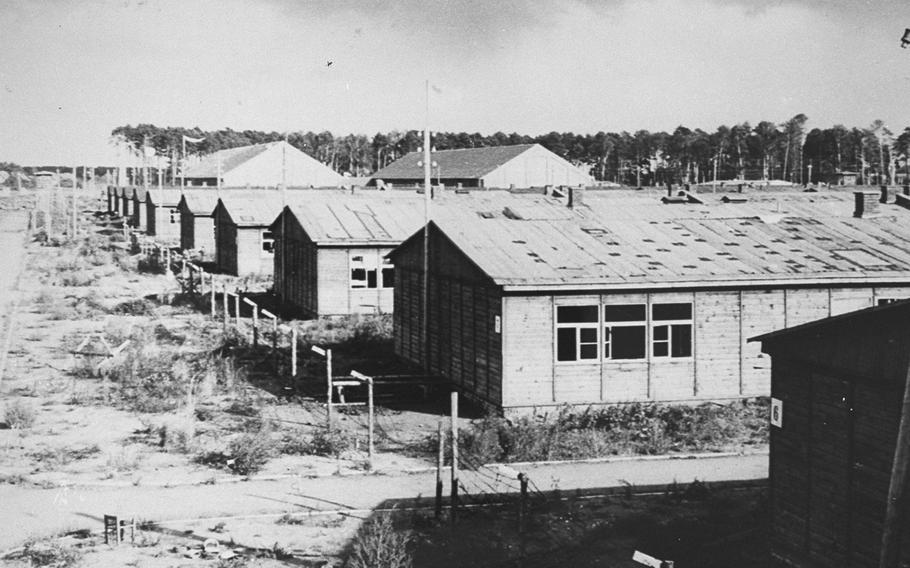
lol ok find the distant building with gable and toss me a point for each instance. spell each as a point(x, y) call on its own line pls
point(262, 165)
point(523, 165)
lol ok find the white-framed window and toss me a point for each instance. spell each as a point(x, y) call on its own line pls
point(625, 331)
point(268, 242)
point(671, 330)
point(388, 273)
point(577, 333)
point(363, 271)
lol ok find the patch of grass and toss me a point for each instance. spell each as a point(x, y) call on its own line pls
point(49, 553)
point(19, 415)
point(55, 458)
point(633, 429)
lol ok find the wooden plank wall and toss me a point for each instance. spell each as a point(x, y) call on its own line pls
point(724, 365)
point(463, 344)
point(251, 259)
point(295, 278)
point(187, 229)
point(226, 246)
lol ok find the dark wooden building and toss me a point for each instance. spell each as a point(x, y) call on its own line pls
point(197, 223)
point(162, 216)
point(837, 387)
point(244, 243)
point(330, 256)
point(533, 305)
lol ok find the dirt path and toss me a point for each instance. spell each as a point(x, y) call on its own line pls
point(26, 512)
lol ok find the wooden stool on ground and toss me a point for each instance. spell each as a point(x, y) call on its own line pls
point(115, 529)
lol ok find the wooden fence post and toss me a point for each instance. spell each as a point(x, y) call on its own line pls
point(293, 352)
point(369, 381)
point(440, 457)
point(454, 456)
point(237, 306)
point(224, 302)
point(212, 281)
point(255, 320)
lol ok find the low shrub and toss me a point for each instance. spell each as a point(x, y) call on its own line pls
point(49, 554)
point(250, 452)
point(379, 543)
point(19, 415)
point(245, 455)
point(327, 443)
point(136, 307)
point(623, 429)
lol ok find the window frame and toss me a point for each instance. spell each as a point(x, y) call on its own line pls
point(604, 343)
point(577, 327)
point(263, 240)
point(670, 324)
point(367, 263)
point(607, 326)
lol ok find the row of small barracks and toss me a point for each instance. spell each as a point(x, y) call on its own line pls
point(538, 298)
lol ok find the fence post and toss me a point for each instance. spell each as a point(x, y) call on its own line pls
point(523, 503)
point(440, 457)
point(328, 373)
point(369, 381)
point(237, 305)
point(212, 282)
point(454, 456)
point(224, 301)
point(293, 352)
point(255, 320)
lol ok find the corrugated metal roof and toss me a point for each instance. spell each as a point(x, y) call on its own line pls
point(633, 241)
point(370, 218)
point(467, 163)
point(230, 158)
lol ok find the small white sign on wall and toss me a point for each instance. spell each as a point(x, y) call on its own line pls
point(777, 412)
point(497, 324)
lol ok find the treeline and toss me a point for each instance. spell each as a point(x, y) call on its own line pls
point(764, 151)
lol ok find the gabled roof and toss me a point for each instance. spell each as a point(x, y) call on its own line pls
point(899, 309)
point(365, 219)
point(165, 197)
point(468, 163)
point(202, 201)
point(638, 244)
point(229, 158)
point(252, 209)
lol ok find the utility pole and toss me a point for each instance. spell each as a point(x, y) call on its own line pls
point(75, 179)
point(425, 328)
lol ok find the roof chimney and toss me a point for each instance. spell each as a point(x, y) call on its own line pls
point(884, 197)
point(866, 203)
point(576, 196)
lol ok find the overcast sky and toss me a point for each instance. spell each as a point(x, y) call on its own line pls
point(71, 71)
